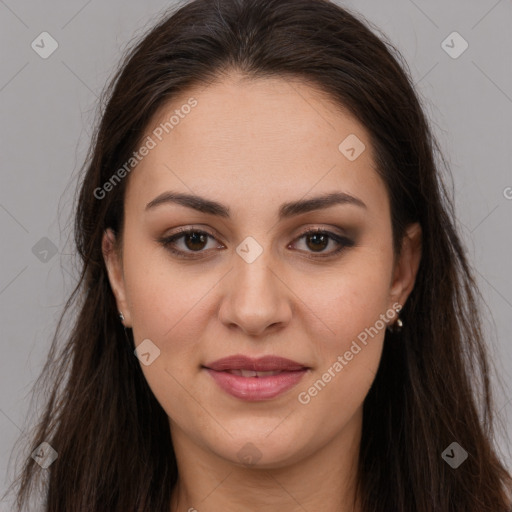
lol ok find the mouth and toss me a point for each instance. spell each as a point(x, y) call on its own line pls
point(255, 379)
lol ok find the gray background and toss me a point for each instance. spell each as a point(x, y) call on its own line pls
point(48, 108)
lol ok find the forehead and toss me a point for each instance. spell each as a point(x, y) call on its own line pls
point(255, 138)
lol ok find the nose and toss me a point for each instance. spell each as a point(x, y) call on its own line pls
point(255, 298)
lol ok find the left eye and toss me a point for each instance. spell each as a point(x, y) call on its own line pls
point(195, 240)
point(319, 239)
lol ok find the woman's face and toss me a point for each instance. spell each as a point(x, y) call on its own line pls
point(257, 156)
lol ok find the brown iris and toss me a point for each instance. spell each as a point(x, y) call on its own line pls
point(191, 239)
point(319, 238)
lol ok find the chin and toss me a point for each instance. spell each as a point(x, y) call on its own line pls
point(265, 449)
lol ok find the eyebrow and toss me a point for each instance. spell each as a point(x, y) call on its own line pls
point(286, 210)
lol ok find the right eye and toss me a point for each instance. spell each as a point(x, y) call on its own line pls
point(194, 240)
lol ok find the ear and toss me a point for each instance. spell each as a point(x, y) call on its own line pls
point(406, 268)
point(113, 262)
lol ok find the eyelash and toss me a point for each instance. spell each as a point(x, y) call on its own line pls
point(169, 242)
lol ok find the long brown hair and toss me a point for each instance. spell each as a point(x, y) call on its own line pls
point(432, 388)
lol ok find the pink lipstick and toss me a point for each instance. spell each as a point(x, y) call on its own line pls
point(255, 379)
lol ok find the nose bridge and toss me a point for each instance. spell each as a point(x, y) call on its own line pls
point(254, 276)
point(255, 298)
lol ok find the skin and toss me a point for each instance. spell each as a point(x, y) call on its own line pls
point(253, 145)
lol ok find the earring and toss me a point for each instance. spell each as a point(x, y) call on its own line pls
point(121, 316)
point(396, 327)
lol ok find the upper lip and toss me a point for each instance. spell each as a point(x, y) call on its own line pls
point(261, 364)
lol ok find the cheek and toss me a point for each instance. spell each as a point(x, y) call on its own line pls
point(168, 304)
point(166, 307)
point(349, 359)
point(349, 300)
point(353, 305)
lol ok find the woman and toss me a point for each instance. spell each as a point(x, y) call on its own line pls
point(275, 308)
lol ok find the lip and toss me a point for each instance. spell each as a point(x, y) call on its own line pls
point(260, 364)
point(256, 388)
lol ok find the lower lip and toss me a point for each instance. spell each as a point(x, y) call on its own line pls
point(256, 388)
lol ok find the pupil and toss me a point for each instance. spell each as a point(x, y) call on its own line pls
point(316, 236)
point(195, 237)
